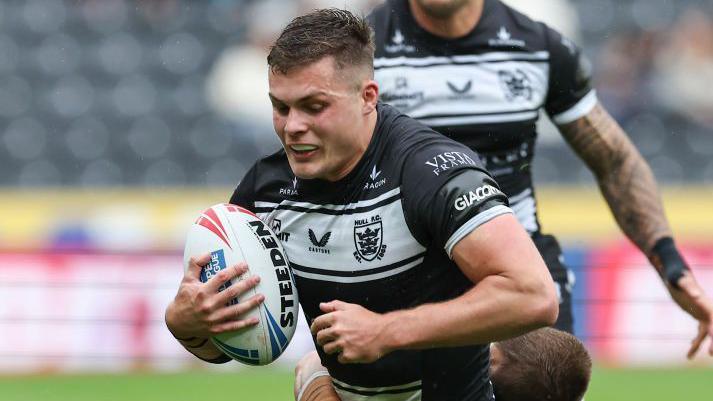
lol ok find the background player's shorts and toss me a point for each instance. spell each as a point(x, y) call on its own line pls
point(563, 277)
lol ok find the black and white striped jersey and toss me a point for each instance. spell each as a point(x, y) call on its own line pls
point(381, 237)
point(485, 89)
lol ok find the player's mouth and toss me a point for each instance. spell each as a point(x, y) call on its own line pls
point(302, 151)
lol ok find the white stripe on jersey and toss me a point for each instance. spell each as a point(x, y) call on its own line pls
point(349, 206)
point(339, 259)
point(476, 119)
point(356, 279)
point(524, 207)
point(385, 62)
point(475, 222)
point(581, 109)
point(391, 393)
point(457, 94)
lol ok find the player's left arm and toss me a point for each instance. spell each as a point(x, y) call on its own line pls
point(629, 187)
point(462, 211)
point(512, 294)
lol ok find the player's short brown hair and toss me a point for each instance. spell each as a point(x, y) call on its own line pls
point(321, 33)
point(545, 364)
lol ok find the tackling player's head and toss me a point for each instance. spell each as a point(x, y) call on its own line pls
point(544, 364)
point(323, 93)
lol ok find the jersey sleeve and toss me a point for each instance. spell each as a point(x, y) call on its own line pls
point(446, 194)
point(244, 194)
point(570, 95)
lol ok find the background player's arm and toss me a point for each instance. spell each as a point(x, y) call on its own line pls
point(630, 189)
point(513, 293)
point(624, 177)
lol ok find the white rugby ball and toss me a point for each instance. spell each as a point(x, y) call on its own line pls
point(232, 234)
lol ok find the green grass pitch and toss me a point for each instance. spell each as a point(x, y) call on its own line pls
point(265, 384)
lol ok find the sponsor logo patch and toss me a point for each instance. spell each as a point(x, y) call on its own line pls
point(447, 160)
point(504, 39)
point(287, 191)
point(401, 96)
point(276, 226)
point(374, 181)
point(475, 196)
point(398, 44)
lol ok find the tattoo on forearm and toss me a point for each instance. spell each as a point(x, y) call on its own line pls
point(625, 179)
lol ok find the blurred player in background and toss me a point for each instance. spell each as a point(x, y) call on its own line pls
point(404, 274)
point(545, 364)
point(479, 72)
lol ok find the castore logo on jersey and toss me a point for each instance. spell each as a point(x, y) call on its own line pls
point(319, 246)
point(458, 90)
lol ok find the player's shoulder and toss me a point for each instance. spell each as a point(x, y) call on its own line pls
point(413, 145)
point(513, 27)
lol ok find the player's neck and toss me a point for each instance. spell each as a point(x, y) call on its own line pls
point(454, 26)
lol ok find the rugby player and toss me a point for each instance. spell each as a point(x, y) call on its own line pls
point(478, 71)
point(407, 259)
point(544, 364)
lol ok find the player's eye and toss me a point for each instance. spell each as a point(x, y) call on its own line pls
point(281, 108)
point(315, 108)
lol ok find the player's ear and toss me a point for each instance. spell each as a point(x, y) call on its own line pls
point(370, 95)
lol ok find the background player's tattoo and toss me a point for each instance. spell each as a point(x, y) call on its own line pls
point(626, 181)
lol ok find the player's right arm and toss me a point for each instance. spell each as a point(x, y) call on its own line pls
point(200, 311)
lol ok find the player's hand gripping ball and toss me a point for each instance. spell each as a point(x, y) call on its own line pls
point(232, 234)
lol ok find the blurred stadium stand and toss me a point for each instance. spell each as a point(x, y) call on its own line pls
point(105, 93)
point(125, 118)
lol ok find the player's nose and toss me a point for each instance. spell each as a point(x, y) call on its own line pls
point(295, 123)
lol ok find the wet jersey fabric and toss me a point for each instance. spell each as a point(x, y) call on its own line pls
point(381, 237)
point(485, 89)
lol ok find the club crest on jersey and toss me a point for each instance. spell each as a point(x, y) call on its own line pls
point(504, 39)
point(515, 85)
point(398, 45)
point(368, 239)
